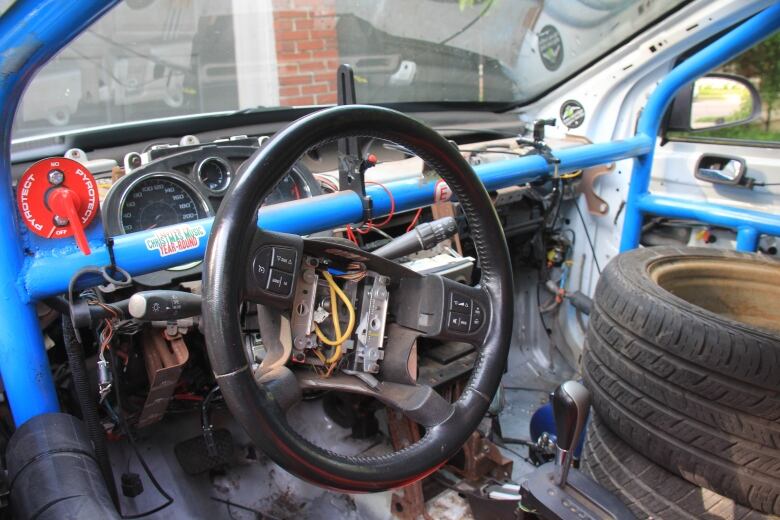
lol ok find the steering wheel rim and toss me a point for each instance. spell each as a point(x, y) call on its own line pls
point(254, 405)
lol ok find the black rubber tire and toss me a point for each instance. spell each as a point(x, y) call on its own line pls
point(692, 390)
point(649, 490)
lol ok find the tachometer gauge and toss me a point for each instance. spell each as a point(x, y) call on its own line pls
point(160, 199)
point(214, 173)
point(291, 187)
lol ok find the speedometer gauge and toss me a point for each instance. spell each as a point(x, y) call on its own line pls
point(160, 199)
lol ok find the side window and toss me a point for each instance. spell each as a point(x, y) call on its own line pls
point(738, 101)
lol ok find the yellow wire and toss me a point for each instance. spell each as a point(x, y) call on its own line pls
point(336, 324)
point(335, 356)
point(340, 338)
point(320, 356)
point(571, 175)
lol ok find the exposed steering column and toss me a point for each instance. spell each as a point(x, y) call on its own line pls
point(241, 264)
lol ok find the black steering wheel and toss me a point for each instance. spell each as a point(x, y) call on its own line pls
point(420, 305)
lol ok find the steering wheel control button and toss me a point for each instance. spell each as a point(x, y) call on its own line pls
point(261, 266)
point(460, 303)
point(280, 282)
point(458, 322)
point(477, 317)
point(284, 259)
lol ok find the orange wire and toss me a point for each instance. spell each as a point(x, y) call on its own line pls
point(414, 220)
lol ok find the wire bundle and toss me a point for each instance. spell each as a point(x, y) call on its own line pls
point(335, 291)
point(370, 225)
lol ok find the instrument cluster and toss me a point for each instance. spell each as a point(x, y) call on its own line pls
point(169, 185)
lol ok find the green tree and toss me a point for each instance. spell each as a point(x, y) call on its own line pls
point(763, 62)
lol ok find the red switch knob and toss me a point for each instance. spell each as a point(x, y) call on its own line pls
point(58, 198)
point(65, 205)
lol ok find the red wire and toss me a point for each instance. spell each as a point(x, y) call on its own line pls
point(414, 220)
point(350, 231)
point(351, 235)
point(370, 223)
point(392, 207)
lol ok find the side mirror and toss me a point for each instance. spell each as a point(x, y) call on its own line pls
point(714, 101)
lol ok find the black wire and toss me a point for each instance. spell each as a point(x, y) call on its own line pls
point(245, 508)
point(85, 397)
point(526, 459)
point(126, 430)
point(766, 184)
point(230, 512)
point(547, 330)
point(587, 235)
point(155, 483)
point(521, 442)
point(559, 203)
point(543, 271)
point(468, 25)
point(204, 408)
point(449, 485)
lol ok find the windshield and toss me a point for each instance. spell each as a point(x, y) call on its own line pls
point(149, 59)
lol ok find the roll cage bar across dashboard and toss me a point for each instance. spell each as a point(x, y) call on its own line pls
point(31, 268)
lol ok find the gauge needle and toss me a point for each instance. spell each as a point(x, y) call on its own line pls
point(156, 221)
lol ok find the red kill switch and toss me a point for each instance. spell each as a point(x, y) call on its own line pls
point(58, 198)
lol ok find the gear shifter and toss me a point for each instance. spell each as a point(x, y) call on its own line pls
point(571, 404)
point(555, 491)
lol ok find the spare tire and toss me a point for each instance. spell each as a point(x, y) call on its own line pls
point(647, 489)
point(683, 361)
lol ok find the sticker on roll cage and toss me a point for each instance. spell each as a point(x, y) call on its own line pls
point(173, 240)
point(441, 192)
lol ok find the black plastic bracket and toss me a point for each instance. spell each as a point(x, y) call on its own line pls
point(352, 166)
point(538, 143)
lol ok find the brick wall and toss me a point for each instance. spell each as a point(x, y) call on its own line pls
point(306, 51)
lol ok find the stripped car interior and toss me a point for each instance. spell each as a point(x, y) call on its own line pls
point(390, 259)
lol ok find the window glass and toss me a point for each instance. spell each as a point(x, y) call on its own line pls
point(149, 59)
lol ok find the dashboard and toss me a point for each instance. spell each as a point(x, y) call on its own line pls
point(153, 184)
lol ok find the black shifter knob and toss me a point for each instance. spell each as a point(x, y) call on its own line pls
point(571, 404)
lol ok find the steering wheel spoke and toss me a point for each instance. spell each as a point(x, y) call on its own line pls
point(272, 268)
point(441, 308)
point(420, 403)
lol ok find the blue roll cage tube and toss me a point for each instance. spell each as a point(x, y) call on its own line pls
point(32, 31)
